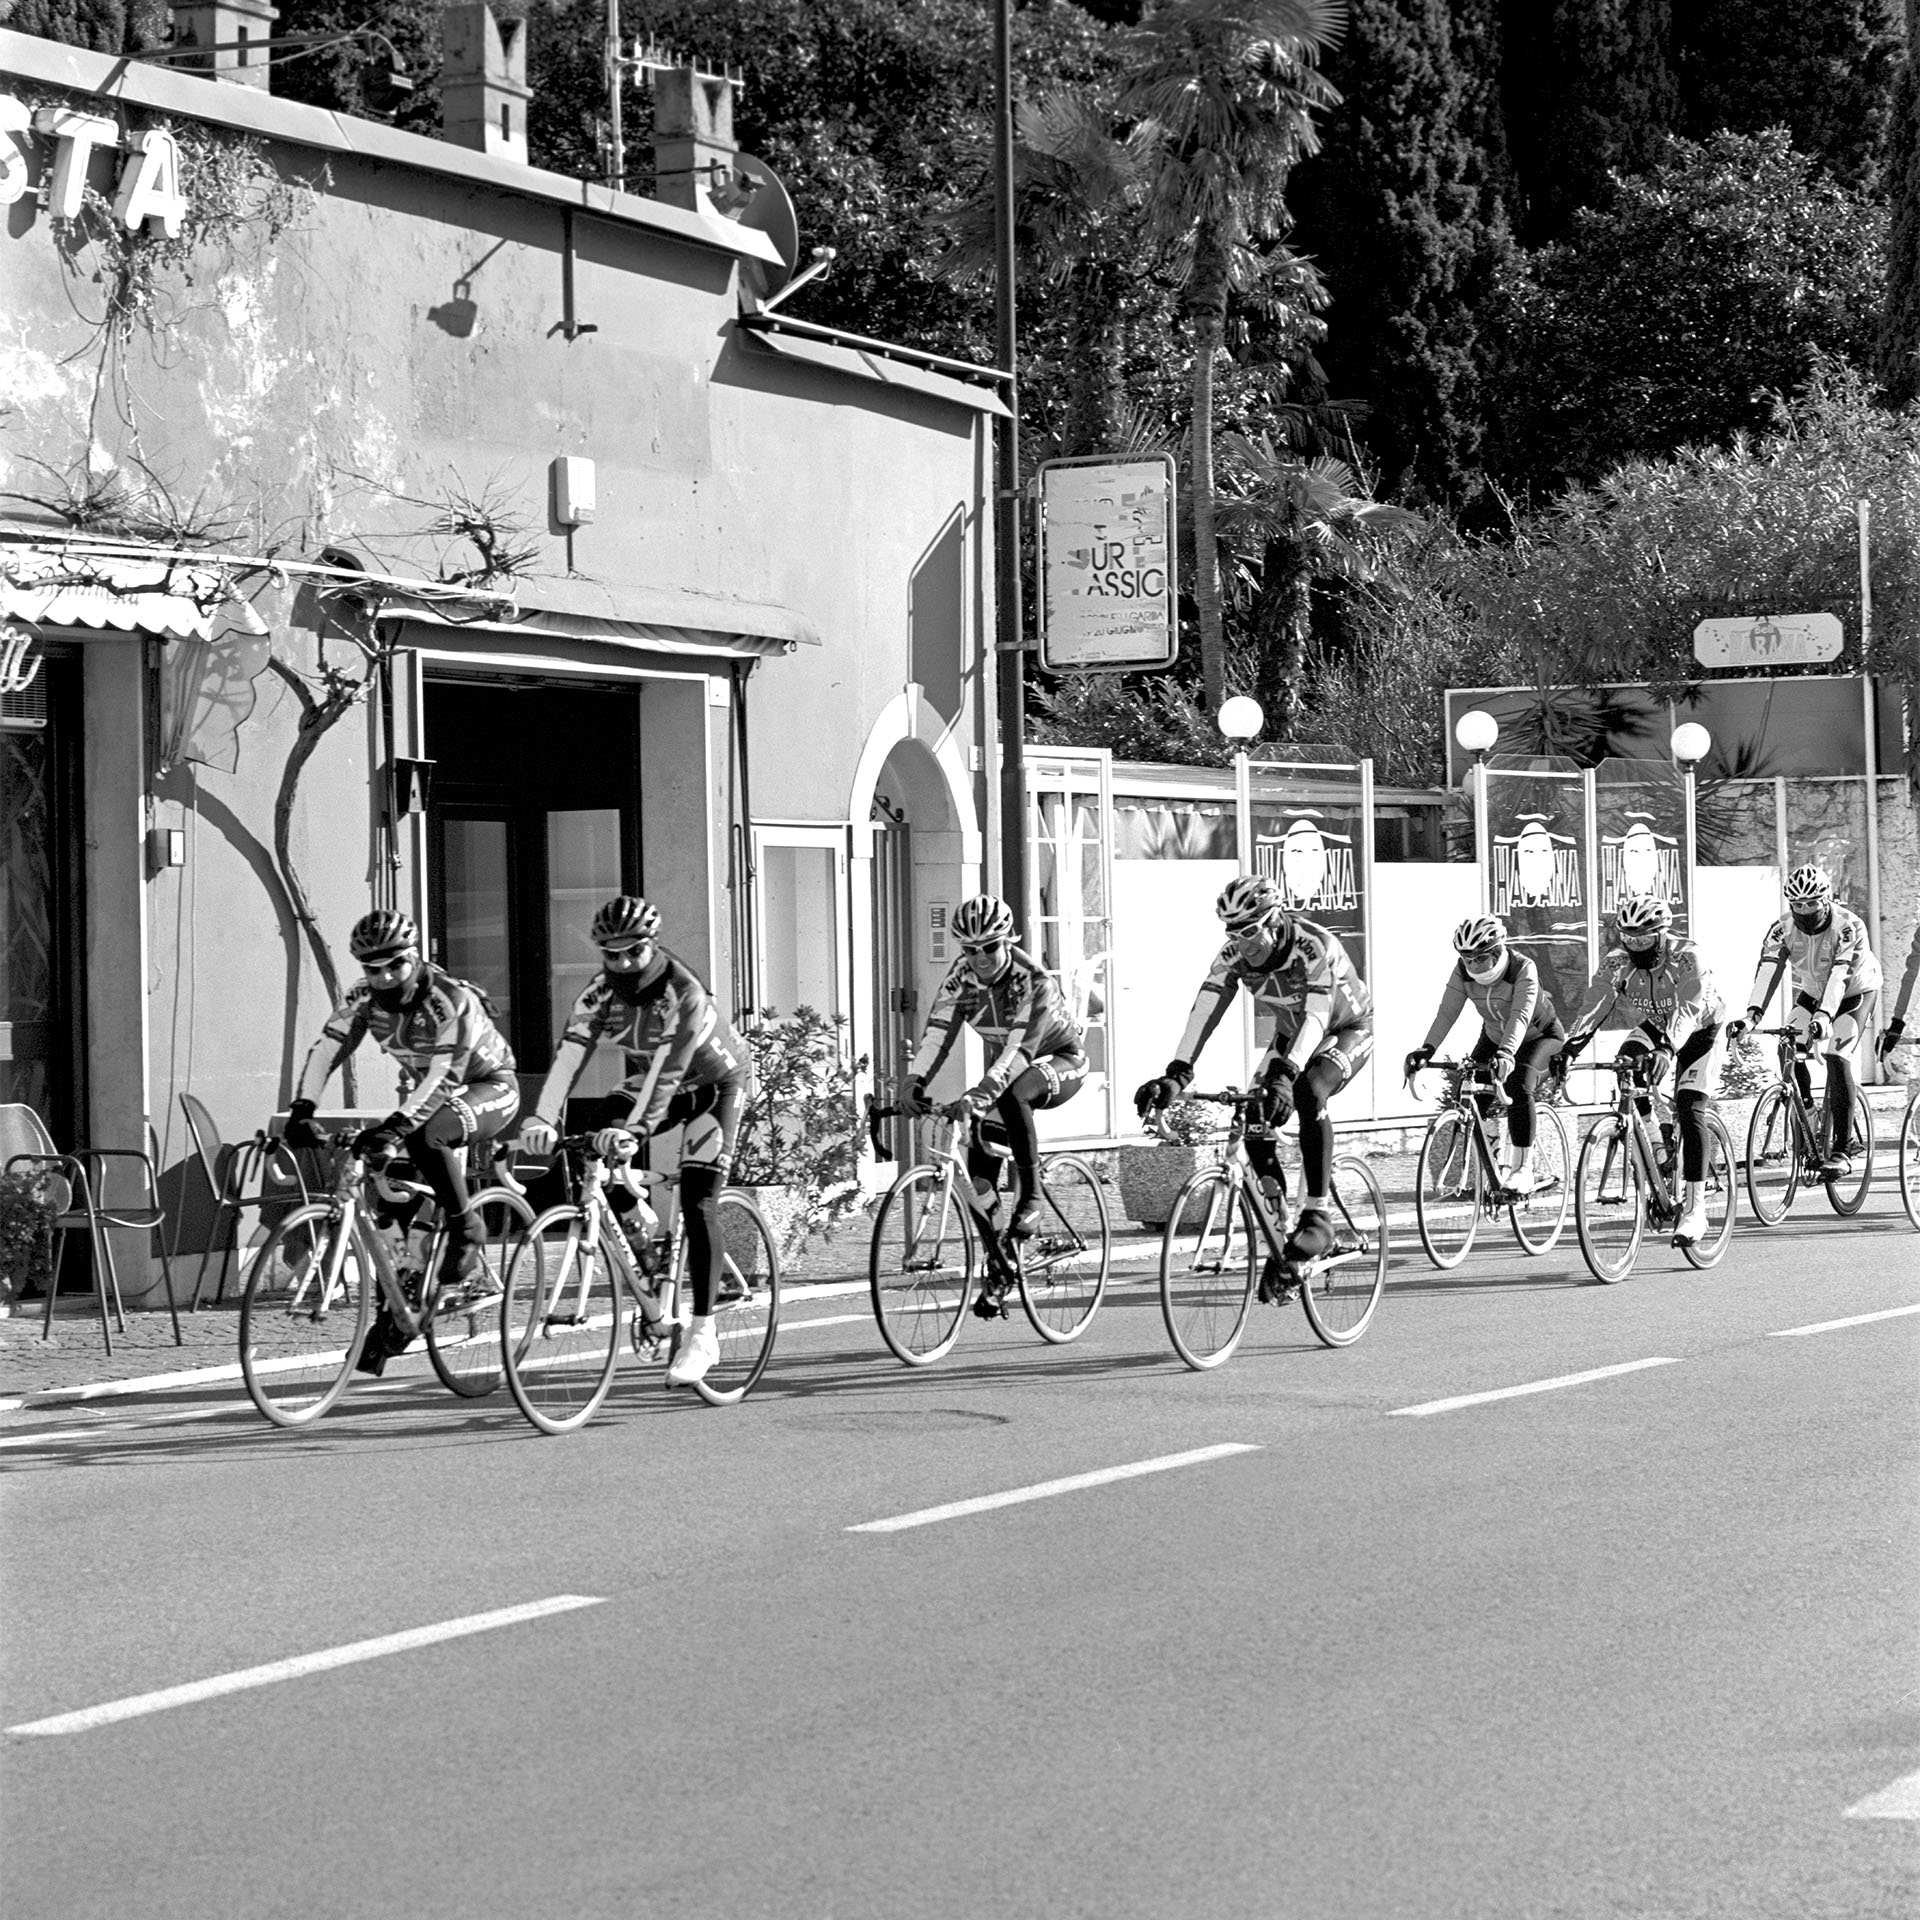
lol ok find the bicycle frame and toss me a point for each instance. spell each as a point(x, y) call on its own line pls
point(1629, 1089)
point(606, 1232)
point(1466, 1080)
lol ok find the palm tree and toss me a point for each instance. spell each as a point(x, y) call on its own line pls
point(1075, 189)
point(1225, 92)
point(1287, 523)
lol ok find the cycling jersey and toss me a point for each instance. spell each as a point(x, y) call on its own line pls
point(1672, 999)
point(443, 1036)
point(1513, 1005)
point(670, 1031)
point(1309, 986)
point(1828, 965)
point(1022, 1017)
point(1907, 979)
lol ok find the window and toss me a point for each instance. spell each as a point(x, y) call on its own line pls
point(800, 911)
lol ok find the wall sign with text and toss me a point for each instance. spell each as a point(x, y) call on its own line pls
point(148, 191)
point(1107, 588)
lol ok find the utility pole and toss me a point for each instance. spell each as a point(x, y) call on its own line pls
point(616, 80)
point(1010, 636)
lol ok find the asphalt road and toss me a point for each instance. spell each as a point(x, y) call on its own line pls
point(1631, 1647)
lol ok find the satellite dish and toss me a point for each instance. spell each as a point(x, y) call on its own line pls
point(769, 210)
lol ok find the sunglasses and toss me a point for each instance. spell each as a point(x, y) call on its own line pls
point(390, 968)
point(626, 959)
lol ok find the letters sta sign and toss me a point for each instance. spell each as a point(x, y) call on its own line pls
point(147, 194)
point(1107, 596)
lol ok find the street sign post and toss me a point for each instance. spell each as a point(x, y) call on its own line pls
point(1768, 640)
point(1107, 589)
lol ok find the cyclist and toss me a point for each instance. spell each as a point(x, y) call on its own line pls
point(686, 1067)
point(1297, 971)
point(1519, 1035)
point(458, 1086)
point(1661, 985)
point(1038, 1053)
point(1826, 946)
point(1897, 1026)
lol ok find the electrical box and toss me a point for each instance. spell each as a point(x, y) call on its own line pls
point(939, 932)
point(412, 785)
point(573, 502)
point(166, 847)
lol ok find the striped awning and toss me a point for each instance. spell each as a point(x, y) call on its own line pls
point(51, 587)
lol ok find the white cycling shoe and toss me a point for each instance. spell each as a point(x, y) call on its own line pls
point(699, 1349)
point(1691, 1228)
point(1521, 1179)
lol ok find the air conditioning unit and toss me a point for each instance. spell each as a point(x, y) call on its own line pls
point(25, 712)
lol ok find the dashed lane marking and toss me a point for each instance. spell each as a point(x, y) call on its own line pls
point(301, 1664)
point(1532, 1386)
point(1901, 1801)
point(1831, 1326)
point(1046, 1489)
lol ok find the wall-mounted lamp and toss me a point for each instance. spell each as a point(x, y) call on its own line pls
point(573, 491)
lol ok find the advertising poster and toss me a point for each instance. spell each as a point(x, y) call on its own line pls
point(1311, 851)
point(1537, 875)
point(1640, 813)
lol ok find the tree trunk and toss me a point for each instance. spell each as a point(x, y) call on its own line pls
point(316, 717)
point(1207, 314)
point(1284, 616)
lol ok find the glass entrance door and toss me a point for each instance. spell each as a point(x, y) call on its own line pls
point(40, 893)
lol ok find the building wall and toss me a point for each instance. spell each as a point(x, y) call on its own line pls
point(393, 357)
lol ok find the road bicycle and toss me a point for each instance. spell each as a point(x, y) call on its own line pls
point(1910, 1155)
point(1459, 1179)
point(1626, 1182)
point(935, 1235)
point(583, 1275)
point(1788, 1141)
point(1225, 1240)
point(316, 1280)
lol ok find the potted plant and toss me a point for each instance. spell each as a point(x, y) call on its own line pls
point(798, 1150)
point(26, 1236)
point(1151, 1175)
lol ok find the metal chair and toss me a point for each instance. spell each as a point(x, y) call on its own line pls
point(86, 1177)
point(228, 1167)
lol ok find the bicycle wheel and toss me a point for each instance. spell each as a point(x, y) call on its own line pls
point(920, 1266)
point(1773, 1157)
point(1341, 1292)
point(1541, 1217)
point(560, 1321)
point(464, 1342)
point(304, 1314)
point(1064, 1265)
point(1609, 1201)
point(1720, 1192)
point(746, 1311)
point(1847, 1192)
point(1209, 1260)
point(1446, 1194)
point(1909, 1157)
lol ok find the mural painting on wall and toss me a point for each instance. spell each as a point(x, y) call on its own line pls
point(1311, 854)
point(1536, 874)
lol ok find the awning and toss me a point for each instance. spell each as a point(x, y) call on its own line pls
point(654, 620)
point(54, 588)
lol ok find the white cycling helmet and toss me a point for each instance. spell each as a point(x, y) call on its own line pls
point(1809, 886)
point(1479, 933)
point(983, 921)
point(1644, 913)
point(1248, 902)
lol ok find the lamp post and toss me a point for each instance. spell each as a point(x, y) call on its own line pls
point(1477, 730)
point(1241, 719)
point(1690, 743)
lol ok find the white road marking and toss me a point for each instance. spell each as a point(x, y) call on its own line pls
point(1532, 1386)
point(305, 1663)
point(1854, 1320)
point(1901, 1801)
point(1046, 1489)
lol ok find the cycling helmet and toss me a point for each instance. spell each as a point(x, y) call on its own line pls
point(1644, 913)
point(626, 917)
point(1480, 933)
point(983, 921)
point(1809, 886)
point(1248, 902)
point(382, 931)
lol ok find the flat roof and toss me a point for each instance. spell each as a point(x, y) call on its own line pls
point(198, 96)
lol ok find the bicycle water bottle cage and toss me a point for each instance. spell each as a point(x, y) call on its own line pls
point(993, 1138)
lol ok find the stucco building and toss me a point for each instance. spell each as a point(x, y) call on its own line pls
point(614, 579)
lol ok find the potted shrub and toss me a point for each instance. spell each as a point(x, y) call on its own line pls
point(1151, 1175)
point(26, 1236)
point(799, 1137)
